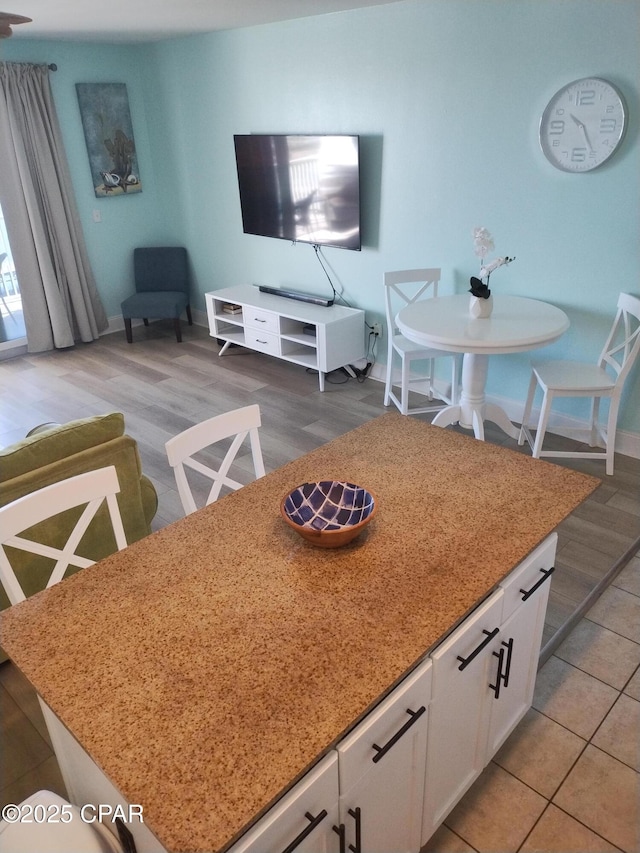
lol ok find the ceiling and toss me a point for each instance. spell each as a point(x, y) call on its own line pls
point(152, 20)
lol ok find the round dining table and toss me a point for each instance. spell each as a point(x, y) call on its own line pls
point(517, 324)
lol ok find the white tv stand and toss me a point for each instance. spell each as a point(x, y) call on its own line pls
point(315, 336)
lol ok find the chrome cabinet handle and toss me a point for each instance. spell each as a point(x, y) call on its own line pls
point(489, 636)
point(381, 751)
point(546, 574)
point(315, 821)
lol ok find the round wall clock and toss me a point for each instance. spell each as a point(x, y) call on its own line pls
point(583, 124)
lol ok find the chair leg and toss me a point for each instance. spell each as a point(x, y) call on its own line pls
point(454, 381)
point(595, 417)
point(430, 373)
point(176, 326)
point(527, 409)
point(542, 423)
point(404, 387)
point(189, 317)
point(387, 384)
point(610, 440)
point(127, 329)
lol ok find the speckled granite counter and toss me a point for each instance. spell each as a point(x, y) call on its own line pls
point(223, 655)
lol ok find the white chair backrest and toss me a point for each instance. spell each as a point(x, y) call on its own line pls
point(92, 489)
point(403, 287)
point(623, 344)
point(239, 423)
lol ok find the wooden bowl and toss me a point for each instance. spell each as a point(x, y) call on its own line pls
point(328, 513)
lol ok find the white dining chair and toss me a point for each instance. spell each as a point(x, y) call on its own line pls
point(402, 288)
point(238, 425)
point(605, 379)
point(92, 488)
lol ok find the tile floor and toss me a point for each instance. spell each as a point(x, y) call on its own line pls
point(568, 778)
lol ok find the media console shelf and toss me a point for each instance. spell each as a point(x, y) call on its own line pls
point(321, 338)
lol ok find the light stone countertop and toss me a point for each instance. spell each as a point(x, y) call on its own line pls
point(206, 667)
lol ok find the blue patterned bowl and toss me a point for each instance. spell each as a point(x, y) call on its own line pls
point(329, 513)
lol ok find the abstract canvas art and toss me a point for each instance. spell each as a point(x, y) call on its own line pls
point(108, 133)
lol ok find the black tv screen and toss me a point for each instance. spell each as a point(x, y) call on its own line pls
point(300, 188)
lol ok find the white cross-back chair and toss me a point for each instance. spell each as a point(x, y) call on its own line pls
point(239, 424)
point(92, 488)
point(402, 288)
point(604, 379)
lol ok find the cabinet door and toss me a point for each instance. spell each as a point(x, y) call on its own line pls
point(519, 646)
point(463, 668)
point(382, 769)
point(303, 820)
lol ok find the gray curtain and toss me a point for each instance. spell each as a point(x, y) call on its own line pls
point(60, 301)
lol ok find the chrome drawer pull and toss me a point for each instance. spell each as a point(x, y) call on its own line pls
point(383, 750)
point(546, 573)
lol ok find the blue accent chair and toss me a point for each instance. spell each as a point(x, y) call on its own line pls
point(161, 278)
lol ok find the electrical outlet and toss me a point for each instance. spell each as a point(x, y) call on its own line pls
point(376, 329)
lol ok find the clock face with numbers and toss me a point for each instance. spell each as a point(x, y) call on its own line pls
point(583, 124)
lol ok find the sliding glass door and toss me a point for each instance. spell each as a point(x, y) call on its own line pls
point(12, 332)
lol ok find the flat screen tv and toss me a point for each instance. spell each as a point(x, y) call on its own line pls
point(300, 188)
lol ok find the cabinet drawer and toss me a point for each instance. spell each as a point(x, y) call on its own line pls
point(262, 341)
point(534, 569)
point(383, 729)
point(256, 318)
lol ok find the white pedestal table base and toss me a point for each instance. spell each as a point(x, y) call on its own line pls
point(473, 408)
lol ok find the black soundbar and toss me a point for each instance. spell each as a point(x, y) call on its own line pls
point(298, 295)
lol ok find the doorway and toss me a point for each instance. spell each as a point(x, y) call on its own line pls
point(12, 330)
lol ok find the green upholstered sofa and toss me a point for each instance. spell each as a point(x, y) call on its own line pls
point(64, 451)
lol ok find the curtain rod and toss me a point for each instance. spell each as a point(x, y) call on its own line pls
point(52, 66)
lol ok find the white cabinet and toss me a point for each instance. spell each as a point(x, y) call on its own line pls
point(305, 820)
point(382, 769)
point(526, 592)
point(459, 710)
point(314, 336)
point(483, 681)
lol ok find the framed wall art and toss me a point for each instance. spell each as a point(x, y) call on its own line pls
point(108, 133)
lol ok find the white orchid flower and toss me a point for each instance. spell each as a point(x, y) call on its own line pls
point(482, 241)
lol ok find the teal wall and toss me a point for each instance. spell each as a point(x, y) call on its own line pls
point(446, 95)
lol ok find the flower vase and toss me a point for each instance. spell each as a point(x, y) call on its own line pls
point(480, 307)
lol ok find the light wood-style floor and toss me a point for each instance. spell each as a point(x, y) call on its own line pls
point(567, 778)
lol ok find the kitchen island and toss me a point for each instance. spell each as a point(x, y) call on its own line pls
point(208, 667)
